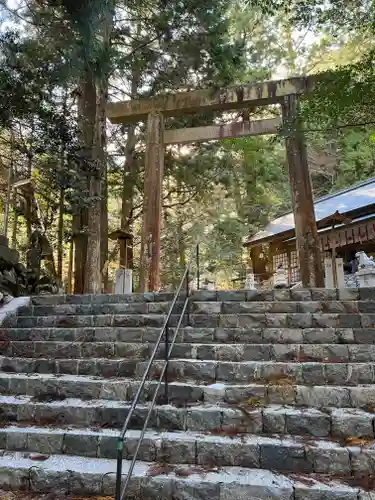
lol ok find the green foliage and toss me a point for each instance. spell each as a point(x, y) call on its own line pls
point(348, 14)
point(176, 45)
point(344, 96)
point(219, 192)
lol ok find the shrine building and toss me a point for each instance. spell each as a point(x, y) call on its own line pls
point(346, 224)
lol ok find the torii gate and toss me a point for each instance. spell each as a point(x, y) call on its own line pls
point(153, 110)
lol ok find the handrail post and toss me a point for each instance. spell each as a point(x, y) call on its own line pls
point(169, 343)
point(166, 358)
point(198, 275)
point(120, 448)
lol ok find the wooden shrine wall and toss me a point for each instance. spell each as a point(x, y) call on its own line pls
point(362, 232)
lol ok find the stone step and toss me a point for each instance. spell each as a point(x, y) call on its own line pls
point(301, 353)
point(247, 417)
point(331, 306)
point(97, 367)
point(199, 335)
point(110, 308)
point(46, 300)
point(128, 320)
point(47, 387)
point(292, 373)
point(349, 307)
point(84, 334)
point(318, 294)
point(56, 387)
point(321, 294)
point(74, 350)
point(284, 454)
point(152, 481)
point(246, 321)
point(299, 295)
point(283, 320)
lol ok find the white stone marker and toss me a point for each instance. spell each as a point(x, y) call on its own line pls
point(124, 281)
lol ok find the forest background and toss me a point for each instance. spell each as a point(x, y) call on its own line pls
point(62, 60)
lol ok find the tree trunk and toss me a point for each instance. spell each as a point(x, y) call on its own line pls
point(60, 236)
point(80, 246)
point(14, 194)
point(29, 192)
point(129, 173)
point(70, 267)
point(29, 198)
point(104, 227)
point(129, 180)
point(96, 256)
point(180, 234)
point(102, 158)
point(181, 246)
point(92, 281)
point(15, 220)
point(60, 228)
point(80, 214)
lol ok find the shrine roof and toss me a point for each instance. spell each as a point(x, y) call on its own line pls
point(355, 202)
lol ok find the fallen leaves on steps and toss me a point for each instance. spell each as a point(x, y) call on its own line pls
point(358, 441)
point(161, 468)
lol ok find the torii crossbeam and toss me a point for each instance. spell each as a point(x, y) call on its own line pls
point(284, 92)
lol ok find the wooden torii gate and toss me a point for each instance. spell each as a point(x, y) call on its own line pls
point(153, 110)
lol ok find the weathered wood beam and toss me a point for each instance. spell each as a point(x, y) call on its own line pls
point(183, 103)
point(152, 205)
point(217, 132)
point(307, 240)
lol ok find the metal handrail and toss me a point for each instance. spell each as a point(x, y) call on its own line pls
point(120, 494)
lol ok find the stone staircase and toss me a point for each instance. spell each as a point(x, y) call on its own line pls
point(272, 396)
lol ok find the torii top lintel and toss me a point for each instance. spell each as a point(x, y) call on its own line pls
point(182, 103)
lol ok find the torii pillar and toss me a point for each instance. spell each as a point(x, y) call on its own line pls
point(149, 279)
point(307, 240)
